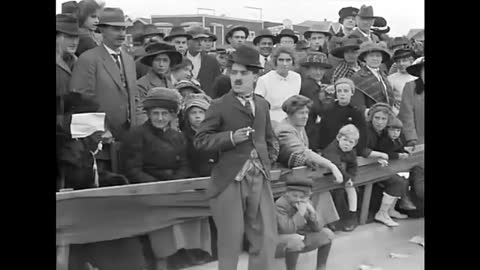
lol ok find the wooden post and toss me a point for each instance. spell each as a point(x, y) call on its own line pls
point(62, 257)
point(367, 194)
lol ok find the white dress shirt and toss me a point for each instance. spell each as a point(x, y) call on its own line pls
point(262, 60)
point(110, 51)
point(276, 89)
point(196, 61)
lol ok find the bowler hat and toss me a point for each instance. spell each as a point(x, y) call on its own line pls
point(346, 44)
point(366, 12)
point(323, 28)
point(151, 30)
point(113, 17)
point(317, 59)
point(287, 33)
point(156, 48)
point(236, 28)
point(416, 68)
point(346, 12)
point(67, 24)
point(197, 32)
point(177, 31)
point(402, 53)
point(369, 46)
point(264, 33)
point(301, 184)
point(163, 98)
point(70, 7)
point(246, 55)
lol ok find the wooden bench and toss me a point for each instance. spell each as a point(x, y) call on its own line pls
point(108, 213)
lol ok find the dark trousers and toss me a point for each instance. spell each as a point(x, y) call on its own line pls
point(395, 186)
point(417, 181)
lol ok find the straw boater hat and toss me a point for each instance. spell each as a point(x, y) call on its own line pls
point(177, 31)
point(236, 28)
point(246, 55)
point(316, 59)
point(200, 100)
point(264, 33)
point(113, 17)
point(67, 24)
point(346, 44)
point(323, 28)
point(370, 46)
point(161, 97)
point(403, 53)
point(287, 33)
point(154, 49)
point(416, 68)
point(151, 30)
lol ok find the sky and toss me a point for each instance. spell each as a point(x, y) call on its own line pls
point(401, 15)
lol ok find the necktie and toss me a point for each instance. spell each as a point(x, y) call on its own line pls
point(248, 105)
point(95, 170)
point(119, 65)
point(266, 60)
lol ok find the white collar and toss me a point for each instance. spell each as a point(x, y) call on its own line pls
point(191, 56)
point(110, 51)
point(363, 33)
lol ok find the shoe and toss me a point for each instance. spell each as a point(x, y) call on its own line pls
point(383, 217)
point(395, 214)
point(406, 204)
point(351, 222)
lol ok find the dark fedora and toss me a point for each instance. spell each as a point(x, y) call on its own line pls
point(346, 12)
point(366, 12)
point(403, 53)
point(197, 32)
point(236, 28)
point(316, 59)
point(287, 33)
point(346, 44)
point(113, 17)
point(67, 24)
point(156, 48)
point(264, 33)
point(177, 31)
point(380, 22)
point(323, 28)
point(151, 30)
point(246, 55)
point(70, 7)
point(416, 68)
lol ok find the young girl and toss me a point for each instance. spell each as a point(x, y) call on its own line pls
point(88, 12)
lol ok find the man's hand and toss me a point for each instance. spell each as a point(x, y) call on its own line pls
point(242, 134)
point(403, 156)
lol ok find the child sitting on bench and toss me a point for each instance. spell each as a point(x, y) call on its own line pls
point(299, 227)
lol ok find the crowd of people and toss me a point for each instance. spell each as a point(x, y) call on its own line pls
point(180, 108)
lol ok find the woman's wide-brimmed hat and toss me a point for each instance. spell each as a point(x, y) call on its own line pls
point(156, 48)
point(264, 33)
point(370, 46)
point(236, 28)
point(161, 97)
point(346, 44)
point(316, 59)
point(246, 55)
point(287, 33)
point(416, 68)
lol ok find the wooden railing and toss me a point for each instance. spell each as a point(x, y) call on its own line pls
point(108, 213)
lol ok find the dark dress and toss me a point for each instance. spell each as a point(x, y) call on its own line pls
point(201, 162)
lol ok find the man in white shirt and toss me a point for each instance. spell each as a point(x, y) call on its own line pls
point(278, 85)
point(403, 58)
point(264, 42)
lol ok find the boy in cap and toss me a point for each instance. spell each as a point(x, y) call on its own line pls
point(238, 126)
point(299, 227)
point(341, 152)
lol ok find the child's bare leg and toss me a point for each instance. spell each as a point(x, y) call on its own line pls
point(291, 259)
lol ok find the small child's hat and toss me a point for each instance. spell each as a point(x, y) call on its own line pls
point(304, 184)
point(395, 123)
